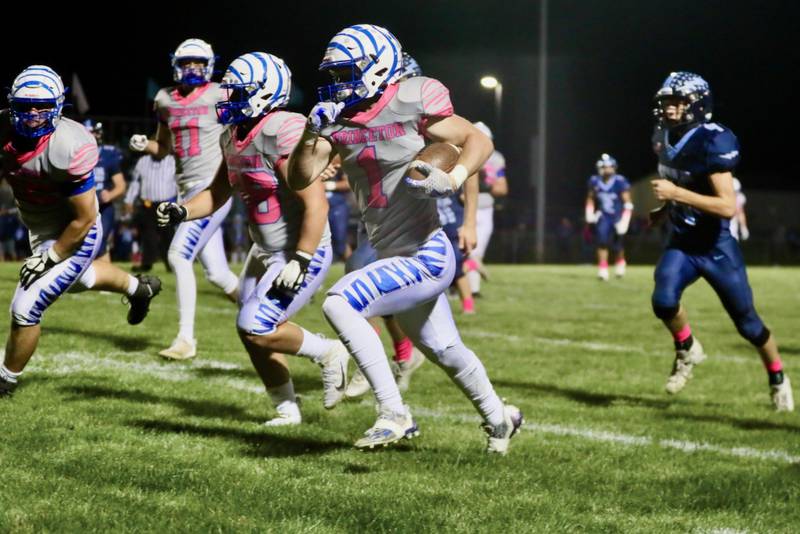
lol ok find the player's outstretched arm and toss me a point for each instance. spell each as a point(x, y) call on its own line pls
point(721, 204)
point(160, 147)
point(475, 146)
point(212, 198)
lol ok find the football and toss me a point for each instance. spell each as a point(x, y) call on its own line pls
point(443, 156)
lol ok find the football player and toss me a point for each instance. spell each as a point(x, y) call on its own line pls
point(609, 209)
point(492, 184)
point(292, 251)
point(695, 160)
point(188, 128)
point(378, 126)
point(49, 161)
point(109, 182)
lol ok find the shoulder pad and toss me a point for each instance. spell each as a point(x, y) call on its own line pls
point(408, 100)
point(68, 143)
point(722, 148)
point(280, 133)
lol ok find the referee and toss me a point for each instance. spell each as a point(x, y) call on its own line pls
point(152, 182)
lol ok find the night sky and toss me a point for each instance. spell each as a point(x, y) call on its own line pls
point(607, 60)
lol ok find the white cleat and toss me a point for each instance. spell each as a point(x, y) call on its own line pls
point(288, 415)
point(782, 397)
point(685, 360)
point(602, 274)
point(403, 370)
point(334, 375)
point(619, 269)
point(389, 428)
point(357, 386)
point(500, 436)
point(181, 349)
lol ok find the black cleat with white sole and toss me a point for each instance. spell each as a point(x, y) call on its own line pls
point(149, 288)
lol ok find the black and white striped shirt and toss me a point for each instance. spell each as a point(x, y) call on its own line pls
point(152, 180)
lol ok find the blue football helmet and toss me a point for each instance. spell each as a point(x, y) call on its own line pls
point(37, 87)
point(363, 59)
point(254, 84)
point(689, 87)
point(411, 68)
point(606, 160)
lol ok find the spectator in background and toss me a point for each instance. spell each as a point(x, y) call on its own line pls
point(8, 223)
point(152, 182)
point(337, 189)
point(109, 183)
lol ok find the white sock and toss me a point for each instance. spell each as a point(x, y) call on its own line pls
point(9, 376)
point(474, 279)
point(186, 289)
point(314, 347)
point(470, 376)
point(133, 285)
point(281, 394)
point(366, 348)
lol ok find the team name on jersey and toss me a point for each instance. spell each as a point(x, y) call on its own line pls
point(242, 162)
point(187, 112)
point(385, 132)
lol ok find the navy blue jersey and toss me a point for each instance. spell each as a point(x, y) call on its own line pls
point(337, 198)
point(451, 214)
point(608, 194)
point(108, 164)
point(702, 151)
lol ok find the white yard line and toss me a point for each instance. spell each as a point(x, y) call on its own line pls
point(76, 362)
point(592, 345)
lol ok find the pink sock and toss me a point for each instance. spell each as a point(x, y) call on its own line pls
point(774, 367)
point(468, 305)
point(402, 350)
point(470, 265)
point(621, 262)
point(603, 264)
point(682, 335)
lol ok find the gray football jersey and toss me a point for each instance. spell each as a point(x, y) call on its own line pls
point(61, 165)
point(274, 213)
point(376, 148)
point(192, 120)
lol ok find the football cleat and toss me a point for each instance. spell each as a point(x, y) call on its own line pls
point(357, 386)
point(782, 397)
point(149, 288)
point(7, 387)
point(500, 436)
point(619, 269)
point(685, 360)
point(288, 415)
point(602, 274)
point(389, 428)
point(403, 370)
point(334, 375)
point(181, 349)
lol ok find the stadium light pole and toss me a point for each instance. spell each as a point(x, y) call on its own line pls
point(541, 160)
point(493, 84)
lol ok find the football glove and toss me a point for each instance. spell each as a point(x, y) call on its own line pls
point(293, 274)
point(323, 114)
point(36, 266)
point(437, 183)
point(169, 213)
point(138, 143)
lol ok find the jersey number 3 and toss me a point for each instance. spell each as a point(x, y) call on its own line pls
point(192, 127)
point(368, 161)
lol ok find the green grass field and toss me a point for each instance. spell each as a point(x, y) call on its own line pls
point(105, 436)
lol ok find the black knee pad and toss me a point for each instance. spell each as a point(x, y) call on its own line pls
point(665, 313)
point(760, 339)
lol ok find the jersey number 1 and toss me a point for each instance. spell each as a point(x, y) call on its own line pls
point(193, 127)
point(368, 161)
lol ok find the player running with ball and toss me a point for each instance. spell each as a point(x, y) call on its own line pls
point(377, 126)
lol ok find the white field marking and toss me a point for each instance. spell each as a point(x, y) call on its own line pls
point(688, 447)
point(81, 362)
point(589, 345)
